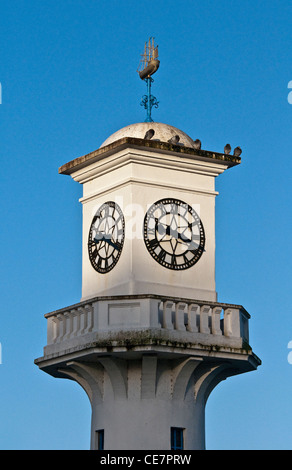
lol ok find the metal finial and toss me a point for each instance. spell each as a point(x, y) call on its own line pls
point(149, 64)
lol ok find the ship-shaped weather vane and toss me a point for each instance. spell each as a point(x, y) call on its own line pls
point(149, 64)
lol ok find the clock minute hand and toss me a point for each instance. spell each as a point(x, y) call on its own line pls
point(165, 230)
point(175, 234)
point(162, 230)
point(106, 238)
point(192, 245)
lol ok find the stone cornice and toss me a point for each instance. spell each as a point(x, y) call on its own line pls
point(147, 296)
point(157, 146)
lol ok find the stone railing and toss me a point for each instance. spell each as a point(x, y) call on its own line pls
point(219, 319)
point(203, 320)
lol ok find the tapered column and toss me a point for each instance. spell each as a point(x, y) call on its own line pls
point(131, 399)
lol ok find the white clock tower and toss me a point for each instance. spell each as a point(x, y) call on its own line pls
point(148, 340)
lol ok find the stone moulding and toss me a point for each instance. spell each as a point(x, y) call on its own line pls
point(126, 142)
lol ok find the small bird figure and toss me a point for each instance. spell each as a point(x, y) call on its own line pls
point(227, 149)
point(174, 139)
point(149, 134)
point(237, 152)
point(197, 144)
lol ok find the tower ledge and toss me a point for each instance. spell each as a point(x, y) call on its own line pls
point(152, 145)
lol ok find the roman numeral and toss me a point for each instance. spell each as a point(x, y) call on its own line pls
point(173, 260)
point(118, 245)
point(162, 255)
point(153, 243)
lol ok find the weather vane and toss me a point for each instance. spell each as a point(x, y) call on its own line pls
point(149, 64)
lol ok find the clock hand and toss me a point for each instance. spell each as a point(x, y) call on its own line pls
point(192, 244)
point(175, 234)
point(106, 238)
point(170, 231)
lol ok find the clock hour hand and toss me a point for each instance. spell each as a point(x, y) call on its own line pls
point(175, 234)
point(192, 245)
point(99, 237)
point(162, 230)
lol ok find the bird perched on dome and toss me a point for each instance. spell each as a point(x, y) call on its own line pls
point(174, 140)
point(227, 149)
point(237, 152)
point(197, 144)
point(149, 134)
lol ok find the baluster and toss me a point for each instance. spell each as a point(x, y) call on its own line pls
point(231, 322)
point(204, 319)
point(53, 330)
point(82, 320)
point(167, 314)
point(179, 321)
point(60, 327)
point(216, 330)
point(89, 317)
point(75, 322)
point(193, 315)
point(67, 325)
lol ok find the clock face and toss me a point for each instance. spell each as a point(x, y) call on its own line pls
point(106, 237)
point(174, 234)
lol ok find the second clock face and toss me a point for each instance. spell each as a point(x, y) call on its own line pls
point(106, 237)
point(174, 234)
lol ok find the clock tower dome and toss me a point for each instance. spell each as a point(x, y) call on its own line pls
point(148, 340)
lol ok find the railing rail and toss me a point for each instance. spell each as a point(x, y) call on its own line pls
point(183, 315)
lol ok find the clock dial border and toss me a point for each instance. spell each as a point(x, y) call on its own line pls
point(158, 253)
point(106, 244)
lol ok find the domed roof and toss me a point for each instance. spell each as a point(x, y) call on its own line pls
point(162, 133)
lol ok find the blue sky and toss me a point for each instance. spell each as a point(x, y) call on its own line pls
point(68, 76)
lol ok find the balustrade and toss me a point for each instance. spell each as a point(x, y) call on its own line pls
point(196, 318)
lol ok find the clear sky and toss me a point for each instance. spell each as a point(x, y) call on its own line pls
point(68, 79)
